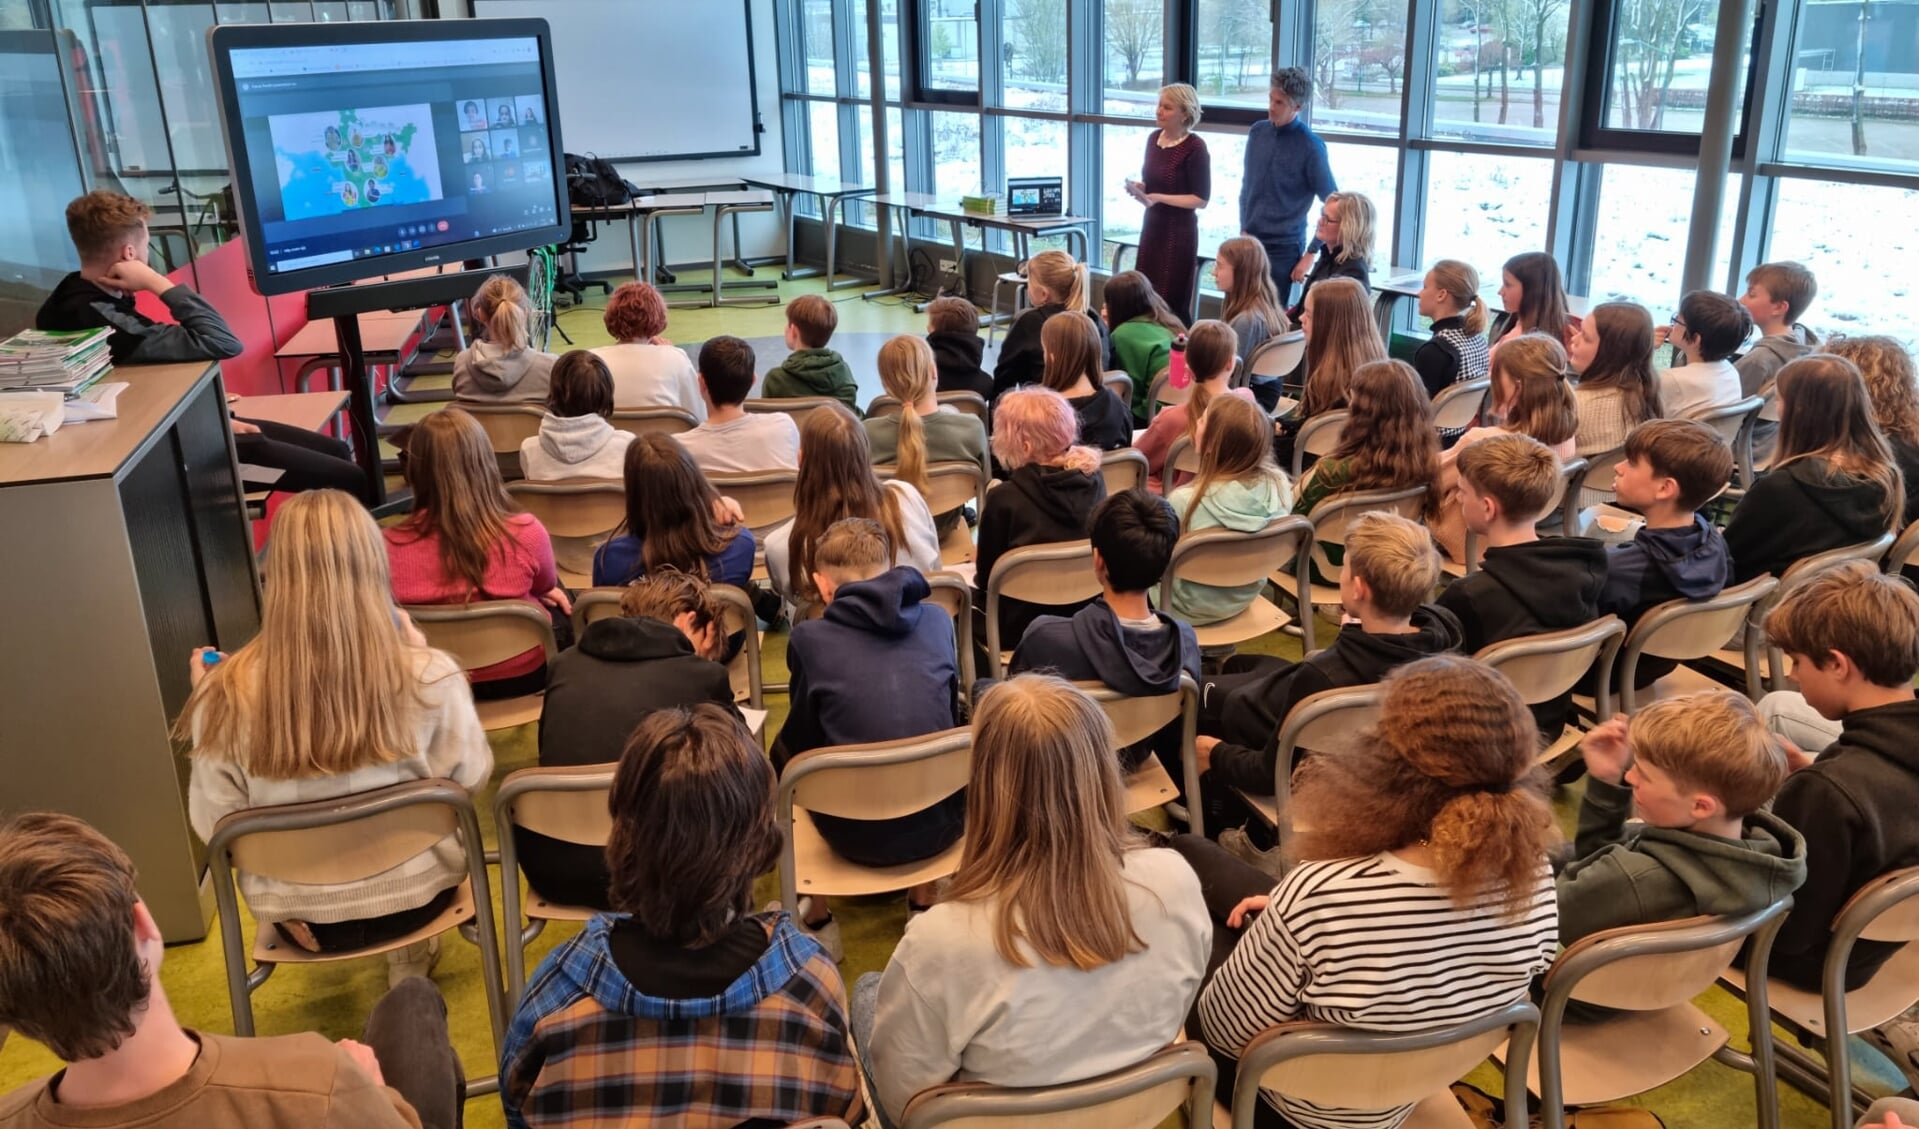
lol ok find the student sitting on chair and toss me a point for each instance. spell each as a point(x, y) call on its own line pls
point(1210, 359)
point(1341, 338)
point(501, 366)
point(1617, 389)
point(1250, 304)
point(1708, 330)
point(576, 439)
point(878, 665)
point(1833, 480)
point(1388, 576)
point(337, 695)
point(1055, 284)
point(1893, 386)
point(1531, 290)
point(1239, 488)
point(648, 370)
point(1143, 328)
point(81, 975)
point(812, 369)
point(659, 653)
point(734, 440)
point(683, 1005)
point(1777, 295)
point(952, 330)
point(925, 430)
point(1066, 946)
point(1071, 347)
point(1426, 844)
point(1388, 443)
point(1525, 585)
point(1119, 639)
point(674, 519)
point(1457, 350)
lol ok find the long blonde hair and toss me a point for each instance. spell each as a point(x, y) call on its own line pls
point(329, 683)
point(501, 306)
point(836, 481)
point(1063, 277)
point(458, 498)
point(1356, 224)
point(908, 373)
point(1046, 828)
point(1237, 447)
point(1542, 404)
point(1343, 337)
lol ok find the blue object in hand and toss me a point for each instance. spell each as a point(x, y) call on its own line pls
point(210, 657)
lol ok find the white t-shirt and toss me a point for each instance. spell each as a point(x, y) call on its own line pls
point(653, 376)
point(952, 1009)
point(757, 441)
point(1695, 388)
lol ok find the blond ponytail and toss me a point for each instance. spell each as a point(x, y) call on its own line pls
point(908, 373)
point(1064, 278)
point(502, 307)
point(1461, 283)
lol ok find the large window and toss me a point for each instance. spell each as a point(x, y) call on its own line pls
point(825, 120)
point(816, 43)
point(1639, 244)
point(1035, 147)
point(1485, 209)
point(1863, 267)
point(956, 154)
point(1124, 147)
point(1359, 62)
point(1033, 54)
point(889, 50)
point(1498, 70)
point(1372, 170)
point(949, 49)
point(1660, 61)
point(1233, 52)
point(1853, 84)
point(1135, 55)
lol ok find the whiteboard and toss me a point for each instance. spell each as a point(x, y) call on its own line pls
point(650, 80)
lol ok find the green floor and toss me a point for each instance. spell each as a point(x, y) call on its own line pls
point(334, 999)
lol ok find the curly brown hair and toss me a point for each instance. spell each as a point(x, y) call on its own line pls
point(635, 312)
point(1389, 438)
point(1450, 765)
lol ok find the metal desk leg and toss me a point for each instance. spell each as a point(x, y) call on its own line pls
point(633, 237)
point(644, 247)
point(787, 202)
point(904, 280)
point(739, 263)
point(720, 216)
point(829, 219)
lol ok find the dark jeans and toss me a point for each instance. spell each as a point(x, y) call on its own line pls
point(408, 1034)
point(1283, 257)
point(896, 842)
point(339, 936)
point(312, 461)
point(504, 689)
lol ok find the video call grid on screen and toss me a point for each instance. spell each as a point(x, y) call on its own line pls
point(361, 150)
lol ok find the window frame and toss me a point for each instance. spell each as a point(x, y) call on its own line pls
point(1595, 134)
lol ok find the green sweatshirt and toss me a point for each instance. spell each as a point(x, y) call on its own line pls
point(1142, 347)
point(812, 372)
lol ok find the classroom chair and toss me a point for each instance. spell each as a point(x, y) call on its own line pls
point(1682, 630)
point(562, 802)
point(766, 497)
point(1561, 520)
point(1348, 1068)
point(1120, 384)
point(1124, 469)
point(579, 515)
point(1181, 458)
point(1904, 553)
point(485, 632)
point(646, 421)
point(1734, 423)
point(1650, 973)
point(1227, 558)
point(954, 593)
point(1885, 909)
point(1006, 278)
point(883, 780)
point(1330, 519)
point(1137, 718)
point(1458, 407)
point(1595, 490)
point(1180, 1077)
point(1318, 437)
point(351, 839)
point(950, 485)
point(1056, 574)
point(972, 403)
point(1325, 723)
point(1276, 358)
point(1544, 666)
point(1161, 393)
point(744, 672)
point(506, 426)
point(796, 406)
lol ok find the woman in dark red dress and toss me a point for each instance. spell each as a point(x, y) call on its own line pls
point(1176, 179)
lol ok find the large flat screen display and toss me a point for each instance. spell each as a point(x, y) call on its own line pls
point(366, 149)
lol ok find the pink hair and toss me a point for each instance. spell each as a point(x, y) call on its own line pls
point(1040, 419)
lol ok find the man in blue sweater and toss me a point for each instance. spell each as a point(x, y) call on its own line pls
point(1286, 170)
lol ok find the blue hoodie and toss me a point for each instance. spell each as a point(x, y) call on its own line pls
point(1658, 565)
point(1093, 646)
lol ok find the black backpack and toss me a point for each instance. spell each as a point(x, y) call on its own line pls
point(593, 182)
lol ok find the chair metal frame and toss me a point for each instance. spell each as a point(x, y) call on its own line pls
point(843, 757)
point(1120, 383)
point(1110, 461)
point(333, 812)
point(1749, 595)
point(1182, 450)
point(645, 421)
point(954, 592)
point(1006, 570)
point(1315, 429)
point(516, 786)
point(1905, 551)
point(1186, 712)
point(1464, 390)
point(1603, 637)
point(968, 1102)
point(1746, 411)
point(1287, 1042)
point(1293, 532)
point(1590, 954)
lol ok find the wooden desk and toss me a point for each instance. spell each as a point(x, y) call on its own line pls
point(310, 411)
point(832, 194)
point(127, 548)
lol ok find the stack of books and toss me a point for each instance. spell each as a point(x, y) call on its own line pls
point(988, 204)
point(66, 361)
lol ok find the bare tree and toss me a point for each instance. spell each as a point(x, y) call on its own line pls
point(1336, 40)
point(1041, 47)
point(1133, 28)
point(1653, 36)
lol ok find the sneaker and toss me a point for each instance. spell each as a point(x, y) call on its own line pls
point(1898, 1040)
point(827, 933)
point(416, 959)
point(1237, 844)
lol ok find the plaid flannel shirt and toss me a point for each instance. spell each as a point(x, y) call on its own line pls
point(586, 1050)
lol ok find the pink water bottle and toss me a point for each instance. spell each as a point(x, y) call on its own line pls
point(1176, 370)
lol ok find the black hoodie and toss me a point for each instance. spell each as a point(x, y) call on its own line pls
point(201, 334)
point(1251, 714)
point(1854, 805)
point(622, 670)
point(1021, 360)
point(1093, 646)
point(1105, 424)
point(956, 357)
point(1546, 585)
point(1036, 505)
point(1797, 510)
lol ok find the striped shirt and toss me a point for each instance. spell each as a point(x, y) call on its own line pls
point(1377, 944)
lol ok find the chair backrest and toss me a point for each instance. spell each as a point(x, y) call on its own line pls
point(1651, 967)
point(1598, 474)
point(578, 514)
point(506, 425)
point(1053, 574)
point(1805, 568)
point(1182, 456)
point(1135, 719)
point(950, 485)
point(1335, 512)
point(882, 780)
point(1119, 384)
point(644, 421)
point(1124, 469)
point(1884, 909)
point(1544, 666)
point(737, 618)
point(562, 802)
point(1319, 437)
point(345, 839)
point(766, 497)
point(1566, 497)
point(1691, 629)
point(972, 403)
point(1905, 551)
point(1161, 393)
point(1729, 419)
point(1326, 723)
point(1458, 406)
point(1277, 356)
point(954, 593)
point(1345, 1068)
point(1135, 1097)
point(795, 406)
point(486, 631)
point(1227, 558)
point(591, 605)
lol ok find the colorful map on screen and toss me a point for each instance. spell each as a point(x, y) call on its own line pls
point(339, 160)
